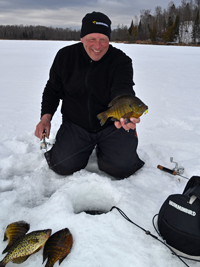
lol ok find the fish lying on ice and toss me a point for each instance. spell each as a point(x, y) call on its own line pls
point(15, 231)
point(125, 106)
point(26, 246)
point(57, 247)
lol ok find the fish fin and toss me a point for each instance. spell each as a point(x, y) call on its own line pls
point(128, 115)
point(6, 249)
point(12, 241)
point(5, 237)
point(20, 259)
point(60, 260)
point(45, 256)
point(102, 117)
point(114, 101)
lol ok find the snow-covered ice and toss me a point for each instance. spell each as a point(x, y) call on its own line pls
point(167, 80)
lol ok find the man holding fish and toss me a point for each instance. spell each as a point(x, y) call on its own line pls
point(90, 77)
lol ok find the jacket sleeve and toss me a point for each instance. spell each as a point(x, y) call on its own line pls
point(53, 90)
point(122, 76)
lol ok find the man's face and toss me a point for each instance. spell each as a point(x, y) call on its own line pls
point(96, 45)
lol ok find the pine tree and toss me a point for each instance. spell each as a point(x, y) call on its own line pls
point(140, 31)
point(153, 32)
point(172, 28)
point(170, 22)
point(132, 32)
point(169, 35)
point(130, 28)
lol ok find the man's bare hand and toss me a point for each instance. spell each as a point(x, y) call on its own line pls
point(128, 126)
point(43, 125)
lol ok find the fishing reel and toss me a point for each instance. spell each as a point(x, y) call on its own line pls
point(44, 144)
point(175, 171)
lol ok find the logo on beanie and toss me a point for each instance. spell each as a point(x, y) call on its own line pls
point(100, 23)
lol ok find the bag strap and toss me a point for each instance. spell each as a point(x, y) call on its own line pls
point(194, 180)
point(194, 191)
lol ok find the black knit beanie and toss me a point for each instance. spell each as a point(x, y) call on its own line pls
point(96, 22)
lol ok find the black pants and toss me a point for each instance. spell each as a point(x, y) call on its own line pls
point(116, 150)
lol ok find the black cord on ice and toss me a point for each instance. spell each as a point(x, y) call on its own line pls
point(148, 233)
point(128, 219)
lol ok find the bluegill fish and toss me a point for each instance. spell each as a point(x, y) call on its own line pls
point(125, 106)
point(57, 247)
point(26, 246)
point(15, 231)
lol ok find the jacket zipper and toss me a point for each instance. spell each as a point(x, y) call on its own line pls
point(89, 94)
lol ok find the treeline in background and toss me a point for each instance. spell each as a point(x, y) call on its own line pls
point(179, 24)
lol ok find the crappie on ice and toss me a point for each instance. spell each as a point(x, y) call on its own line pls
point(57, 247)
point(15, 231)
point(125, 106)
point(26, 246)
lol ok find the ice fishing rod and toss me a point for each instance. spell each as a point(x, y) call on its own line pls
point(175, 171)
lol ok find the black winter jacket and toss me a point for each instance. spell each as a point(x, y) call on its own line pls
point(86, 87)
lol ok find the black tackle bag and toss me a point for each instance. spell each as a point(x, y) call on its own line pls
point(179, 221)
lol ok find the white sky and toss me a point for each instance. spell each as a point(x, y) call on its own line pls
point(69, 14)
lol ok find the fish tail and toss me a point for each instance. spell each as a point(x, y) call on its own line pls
point(49, 263)
point(102, 117)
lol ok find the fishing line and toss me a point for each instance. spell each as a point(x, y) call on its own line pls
point(93, 144)
point(148, 233)
point(183, 177)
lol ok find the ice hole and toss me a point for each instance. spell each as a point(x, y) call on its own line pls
point(92, 201)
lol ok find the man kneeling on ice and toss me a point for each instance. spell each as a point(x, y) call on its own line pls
point(87, 76)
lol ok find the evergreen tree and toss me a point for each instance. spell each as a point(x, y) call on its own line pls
point(170, 22)
point(153, 32)
point(172, 30)
point(169, 35)
point(130, 29)
point(140, 31)
point(132, 32)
